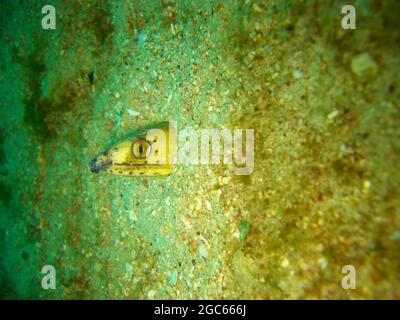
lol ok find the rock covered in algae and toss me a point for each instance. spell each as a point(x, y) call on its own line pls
point(364, 66)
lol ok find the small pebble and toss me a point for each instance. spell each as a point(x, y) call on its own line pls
point(128, 268)
point(133, 113)
point(236, 235)
point(395, 236)
point(333, 115)
point(363, 66)
point(203, 251)
point(151, 294)
point(297, 74)
point(142, 39)
point(323, 263)
point(133, 215)
point(174, 278)
point(285, 263)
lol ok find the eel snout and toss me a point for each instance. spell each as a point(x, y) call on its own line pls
point(100, 163)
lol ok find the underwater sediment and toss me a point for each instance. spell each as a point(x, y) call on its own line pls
point(324, 104)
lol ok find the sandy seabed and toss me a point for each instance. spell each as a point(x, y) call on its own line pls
point(325, 106)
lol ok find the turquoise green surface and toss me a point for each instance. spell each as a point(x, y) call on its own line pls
point(325, 106)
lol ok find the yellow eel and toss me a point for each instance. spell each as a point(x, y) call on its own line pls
point(148, 152)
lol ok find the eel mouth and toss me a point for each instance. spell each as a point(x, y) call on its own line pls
point(99, 164)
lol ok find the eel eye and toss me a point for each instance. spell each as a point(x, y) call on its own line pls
point(141, 149)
